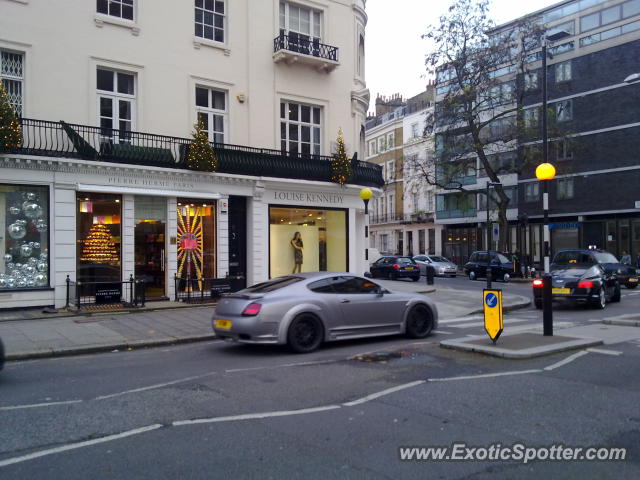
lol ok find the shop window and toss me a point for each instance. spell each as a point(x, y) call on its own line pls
point(24, 213)
point(196, 239)
point(99, 238)
point(323, 239)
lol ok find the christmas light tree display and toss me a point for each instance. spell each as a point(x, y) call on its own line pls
point(99, 246)
point(10, 133)
point(340, 163)
point(190, 242)
point(201, 155)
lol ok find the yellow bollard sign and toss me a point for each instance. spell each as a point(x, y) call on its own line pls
point(492, 302)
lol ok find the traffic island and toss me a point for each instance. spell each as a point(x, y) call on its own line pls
point(627, 320)
point(520, 345)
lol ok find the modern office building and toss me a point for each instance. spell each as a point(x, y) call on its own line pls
point(594, 94)
point(103, 186)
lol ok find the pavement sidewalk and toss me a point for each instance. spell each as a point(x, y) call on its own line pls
point(34, 334)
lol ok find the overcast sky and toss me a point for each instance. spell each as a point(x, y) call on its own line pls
point(394, 50)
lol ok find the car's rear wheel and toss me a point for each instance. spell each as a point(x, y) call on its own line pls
point(419, 321)
point(601, 301)
point(415, 279)
point(617, 294)
point(472, 275)
point(392, 276)
point(305, 333)
point(632, 285)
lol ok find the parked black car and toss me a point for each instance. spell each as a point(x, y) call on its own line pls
point(501, 266)
point(583, 276)
point(394, 266)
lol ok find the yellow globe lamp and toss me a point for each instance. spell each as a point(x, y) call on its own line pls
point(365, 195)
point(545, 171)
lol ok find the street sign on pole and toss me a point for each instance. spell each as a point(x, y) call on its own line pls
point(496, 232)
point(492, 303)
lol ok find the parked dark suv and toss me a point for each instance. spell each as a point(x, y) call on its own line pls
point(501, 266)
point(395, 266)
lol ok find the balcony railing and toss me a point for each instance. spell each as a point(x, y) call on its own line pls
point(386, 218)
point(441, 214)
point(60, 139)
point(290, 47)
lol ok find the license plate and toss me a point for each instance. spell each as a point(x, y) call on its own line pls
point(409, 268)
point(223, 324)
point(561, 291)
point(633, 279)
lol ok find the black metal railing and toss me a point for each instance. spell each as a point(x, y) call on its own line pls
point(61, 139)
point(200, 290)
point(131, 293)
point(386, 218)
point(297, 43)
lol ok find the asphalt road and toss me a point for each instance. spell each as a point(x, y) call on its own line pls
point(217, 410)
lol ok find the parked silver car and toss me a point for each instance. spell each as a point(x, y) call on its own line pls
point(442, 265)
point(306, 309)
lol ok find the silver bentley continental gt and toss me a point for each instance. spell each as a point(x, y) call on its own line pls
point(303, 310)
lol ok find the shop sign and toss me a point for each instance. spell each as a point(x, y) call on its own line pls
point(108, 293)
point(150, 183)
point(309, 197)
point(564, 225)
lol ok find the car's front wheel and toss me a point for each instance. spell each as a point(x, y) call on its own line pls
point(506, 277)
point(419, 321)
point(617, 294)
point(601, 301)
point(472, 275)
point(305, 333)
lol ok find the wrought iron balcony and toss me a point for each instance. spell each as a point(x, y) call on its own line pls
point(386, 218)
point(60, 139)
point(294, 48)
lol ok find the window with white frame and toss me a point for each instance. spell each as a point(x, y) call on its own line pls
point(531, 81)
point(416, 202)
point(210, 19)
point(531, 117)
point(565, 188)
point(391, 170)
point(563, 149)
point(300, 128)
point(563, 71)
point(116, 102)
point(372, 148)
point(564, 110)
point(302, 25)
point(116, 8)
point(361, 62)
point(391, 205)
point(12, 77)
point(531, 191)
point(429, 200)
point(391, 140)
point(415, 130)
point(382, 144)
point(211, 111)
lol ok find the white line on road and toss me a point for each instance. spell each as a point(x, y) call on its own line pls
point(484, 375)
point(152, 387)
point(569, 359)
point(382, 393)
point(253, 416)
point(73, 446)
point(604, 351)
point(269, 367)
point(442, 332)
point(447, 321)
point(36, 405)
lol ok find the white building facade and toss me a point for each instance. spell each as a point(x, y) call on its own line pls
point(108, 93)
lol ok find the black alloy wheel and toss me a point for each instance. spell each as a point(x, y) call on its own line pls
point(601, 301)
point(305, 333)
point(419, 321)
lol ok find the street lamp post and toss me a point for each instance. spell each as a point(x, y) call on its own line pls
point(365, 195)
point(489, 185)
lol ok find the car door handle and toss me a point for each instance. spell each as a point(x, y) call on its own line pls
point(345, 300)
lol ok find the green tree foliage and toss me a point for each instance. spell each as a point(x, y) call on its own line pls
point(340, 163)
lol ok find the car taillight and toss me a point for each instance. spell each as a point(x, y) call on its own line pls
point(251, 310)
point(396, 266)
point(585, 284)
point(537, 283)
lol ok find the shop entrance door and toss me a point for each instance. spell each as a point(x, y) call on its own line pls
point(150, 233)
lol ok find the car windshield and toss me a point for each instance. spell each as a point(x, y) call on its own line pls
point(271, 285)
point(502, 258)
point(404, 261)
point(435, 258)
point(605, 257)
point(573, 257)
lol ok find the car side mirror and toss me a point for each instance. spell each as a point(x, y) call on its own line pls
point(367, 274)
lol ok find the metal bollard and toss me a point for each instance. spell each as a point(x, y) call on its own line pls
point(431, 273)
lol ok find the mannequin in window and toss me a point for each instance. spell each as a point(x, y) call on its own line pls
point(296, 243)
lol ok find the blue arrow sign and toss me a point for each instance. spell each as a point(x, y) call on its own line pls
point(491, 300)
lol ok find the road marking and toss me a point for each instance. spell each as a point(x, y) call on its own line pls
point(442, 332)
point(604, 351)
point(382, 393)
point(267, 367)
point(254, 416)
point(73, 446)
point(483, 375)
point(36, 405)
point(569, 359)
point(152, 387)
point(460, 319)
